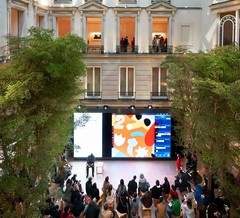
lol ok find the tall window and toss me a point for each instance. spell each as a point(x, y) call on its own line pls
point(39, 21)
point(159, 82)
point(159, 34)
point(17, 21)
point(94, 30)
point(227, 30)
point(127, 82)
point(64, 25)
point(94, 34)
point(127, 34)
point(93, 82)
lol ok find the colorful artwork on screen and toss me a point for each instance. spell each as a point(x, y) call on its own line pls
point(139, 135)
point(133, 135)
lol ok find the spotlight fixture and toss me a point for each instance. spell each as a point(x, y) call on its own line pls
point(79, 107)
point(132, 107)
point(105, 106)
point(149, 106)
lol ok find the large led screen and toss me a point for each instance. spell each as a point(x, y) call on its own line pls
point(141, 135)
point(87, 134)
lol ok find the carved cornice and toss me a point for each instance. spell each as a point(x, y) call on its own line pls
point(226, 6)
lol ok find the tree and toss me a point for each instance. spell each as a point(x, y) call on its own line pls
point(204, 88)
point(38, 90)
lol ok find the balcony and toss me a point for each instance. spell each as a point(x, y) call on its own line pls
point(93, 95)
point(155, 1)
point(95, 49)
point(100, 1)
point(126, 95)
point(159, 95)
point(160, 49)
point(129, 49)
point(63, 1)
point(127, 1)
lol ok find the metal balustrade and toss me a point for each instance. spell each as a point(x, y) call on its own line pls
point(93, 95)
point(95, 49)
point(159, 95)
point(126, 95)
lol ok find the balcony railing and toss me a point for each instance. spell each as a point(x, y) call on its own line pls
point(127, 49)
point(127, 1)
point(160, 49)
point(63, 1)
point(126, 95)
point(93, 95)
point(100, 1)
point(99, 49)
point(168, 1)
point(159, 95)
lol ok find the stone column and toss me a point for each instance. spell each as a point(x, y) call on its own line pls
point(237, 28)
point(73, 22)
point(117, 31)
point(150, 32)
point(169, 35)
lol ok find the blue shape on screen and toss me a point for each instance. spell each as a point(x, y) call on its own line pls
point(162, 146)
point(138, 133)
point(117, 153)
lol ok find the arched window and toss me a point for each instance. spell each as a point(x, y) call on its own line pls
point(227, 30)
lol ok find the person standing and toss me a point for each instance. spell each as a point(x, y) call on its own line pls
point(166, 188)
point(156, 192)
point(132, 186)
point(179, 162)
point(125, 43)
point(88, 186)
point(95, 192)
point(92, 210)
point(90, 164)
point(133, 44)
point(105, 187)
point(143, 185)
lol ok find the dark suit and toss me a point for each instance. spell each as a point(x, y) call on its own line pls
point(90, 164)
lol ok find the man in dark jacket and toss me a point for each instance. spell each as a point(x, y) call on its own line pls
point(132, 186)
point(90, 164)
point(92, 209)
point(156, 190)
point(88, 186)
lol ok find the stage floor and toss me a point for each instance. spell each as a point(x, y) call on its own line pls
point(121, 169)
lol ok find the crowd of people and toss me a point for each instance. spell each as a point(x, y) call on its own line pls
point(181, 199)
point(159, 44)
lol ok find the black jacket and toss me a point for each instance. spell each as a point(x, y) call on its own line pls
point(132, 187)
point(92, 211)
point(156, 191)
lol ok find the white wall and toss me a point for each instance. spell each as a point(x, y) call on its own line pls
point(190, 18)
point(3, 25)
point(210, 23)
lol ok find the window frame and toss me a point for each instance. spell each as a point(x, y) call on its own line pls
point(95, 94)
point(223, 20)
point(127, 96)
point(159, 85)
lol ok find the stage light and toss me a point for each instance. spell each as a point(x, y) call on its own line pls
point(132, 107)
point(149, 106)
point(79, 107)
point(105, 106)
